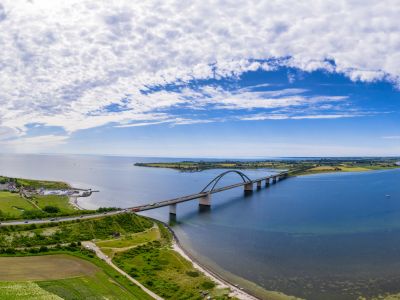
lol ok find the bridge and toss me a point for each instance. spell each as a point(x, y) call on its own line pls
point(204, 196)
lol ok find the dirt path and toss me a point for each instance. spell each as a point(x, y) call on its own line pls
point(101, 255)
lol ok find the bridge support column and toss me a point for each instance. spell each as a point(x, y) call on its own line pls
point(258, 185)
point(267, 182)
point(205, 201)
point(172, 209)
point(248, 187)
point(274, 179)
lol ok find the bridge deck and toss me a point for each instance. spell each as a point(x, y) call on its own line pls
point(199, 195)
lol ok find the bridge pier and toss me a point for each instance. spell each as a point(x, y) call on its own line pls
point(172, 209)
point(274, 179)
point(259, 185)
point(248, 187)
point(205, 201)
point(267, 182)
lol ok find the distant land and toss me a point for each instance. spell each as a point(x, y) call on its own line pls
point(301, 166)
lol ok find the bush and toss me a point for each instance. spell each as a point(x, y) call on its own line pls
point(208, 285)
point(51, 209)
point(193, 273)
point(43, 249)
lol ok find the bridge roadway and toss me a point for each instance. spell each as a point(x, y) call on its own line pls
point(247, 183)
point(204, 194)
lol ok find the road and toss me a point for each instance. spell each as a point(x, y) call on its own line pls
point(101, 255)
point(62, 219)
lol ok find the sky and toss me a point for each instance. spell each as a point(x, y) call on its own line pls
point(220, 79)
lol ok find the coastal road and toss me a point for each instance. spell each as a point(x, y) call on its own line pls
point(63, 219)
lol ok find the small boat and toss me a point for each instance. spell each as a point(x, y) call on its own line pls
point(388, 196)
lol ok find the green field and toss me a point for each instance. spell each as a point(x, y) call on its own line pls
point(110, 247)
point(35, 184)
point(61, 277)
point(62, 202)
point(98, 286)
point(13, 206)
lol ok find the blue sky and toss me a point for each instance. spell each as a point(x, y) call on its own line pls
point(201, 79)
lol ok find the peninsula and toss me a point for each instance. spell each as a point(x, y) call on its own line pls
point(295, 167)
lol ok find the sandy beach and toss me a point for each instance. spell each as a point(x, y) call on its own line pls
point(73, 200)
point(221, 283)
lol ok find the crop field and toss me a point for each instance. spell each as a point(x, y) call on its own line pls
point(97, 286)
point(24, 290)
point(47, 267)
point(58, 277)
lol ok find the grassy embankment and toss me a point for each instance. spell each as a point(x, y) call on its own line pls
point(140, 247)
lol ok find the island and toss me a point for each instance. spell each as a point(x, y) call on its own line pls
point(295, 167)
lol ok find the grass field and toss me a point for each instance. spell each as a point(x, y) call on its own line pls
point(10, 202)
point(12, 205)
point(110, 247)
point(62, 202)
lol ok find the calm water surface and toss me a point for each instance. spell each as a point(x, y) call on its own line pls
point(331, 236)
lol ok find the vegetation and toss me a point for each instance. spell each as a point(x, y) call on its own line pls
point(68, 232)
point(160, 268)
point(35, 184)
point(85, 277)
point(294, 166)
point(140, 247)
point(17, 203)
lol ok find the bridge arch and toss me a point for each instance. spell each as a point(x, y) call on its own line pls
point(215, 181)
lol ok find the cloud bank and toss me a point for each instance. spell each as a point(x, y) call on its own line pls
point(83, 64)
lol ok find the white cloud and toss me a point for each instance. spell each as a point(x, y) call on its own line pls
point(43, 143)
point(391, 137)
point(62, 63)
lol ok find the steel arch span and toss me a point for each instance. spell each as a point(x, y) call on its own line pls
point(215, 181)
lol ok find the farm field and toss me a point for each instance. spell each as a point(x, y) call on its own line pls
point(47, 267)
point(58, 276)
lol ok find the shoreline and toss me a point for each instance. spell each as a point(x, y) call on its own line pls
point(217, 278)
point(73, 200)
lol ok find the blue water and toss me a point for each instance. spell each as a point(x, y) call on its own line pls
point(331, 236)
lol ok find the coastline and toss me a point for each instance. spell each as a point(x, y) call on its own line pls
point(221, 282)
point(248, 289)
point(73, 200)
